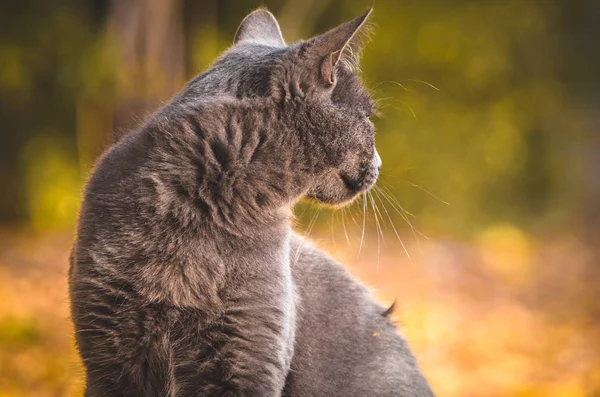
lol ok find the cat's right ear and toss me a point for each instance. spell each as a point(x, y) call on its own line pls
point(341, 45)
point(261, 27)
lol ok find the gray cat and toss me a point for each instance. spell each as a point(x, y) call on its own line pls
point(181, 281)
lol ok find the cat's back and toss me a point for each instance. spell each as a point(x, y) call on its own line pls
point(131, 344)
point(118, 211)
point(346, 344)
point(117, 168)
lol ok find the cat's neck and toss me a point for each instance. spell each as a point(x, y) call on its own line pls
point(235, 163)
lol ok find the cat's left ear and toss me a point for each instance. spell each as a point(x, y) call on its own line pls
point(340, 45)
point(260, 26)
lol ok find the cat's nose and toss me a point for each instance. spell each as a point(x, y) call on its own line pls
point(377, 161)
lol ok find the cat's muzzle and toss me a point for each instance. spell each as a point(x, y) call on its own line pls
point(367, 176)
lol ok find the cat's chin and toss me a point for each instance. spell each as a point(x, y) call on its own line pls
point(344, 197)
point(338, 202)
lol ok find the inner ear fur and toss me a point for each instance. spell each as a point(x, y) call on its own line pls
point(341, 45)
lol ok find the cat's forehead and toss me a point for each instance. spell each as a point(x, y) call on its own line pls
point(248, 68)
point(251, 53)
point(351, 91)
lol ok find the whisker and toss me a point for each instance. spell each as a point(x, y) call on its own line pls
point(307, 232)
point(381, 221)
point(331, 222)
point(378, 229)
point(426, 191)
point(402, 212)
point(396, 83)
point(390, 196)
point(352, 215)
point(297, 217)
point(409, 108)
point(397, 207)
point(362, 236)
point(423, 82)
point(312, 223)
point(413, 229)
point(344, 226)
point(392, 223)
point(383, 99)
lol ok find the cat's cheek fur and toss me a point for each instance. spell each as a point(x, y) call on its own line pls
point(331, 190)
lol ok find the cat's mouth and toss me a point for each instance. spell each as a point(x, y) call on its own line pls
point(340, 187)
point(366, 178)
point(364, 182)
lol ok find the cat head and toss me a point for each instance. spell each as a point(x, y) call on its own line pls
point(315, 85)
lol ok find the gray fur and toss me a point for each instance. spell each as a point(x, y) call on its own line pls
point(180, 278)
point(346, 345)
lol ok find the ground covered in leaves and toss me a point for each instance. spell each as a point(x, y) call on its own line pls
point(514, 315)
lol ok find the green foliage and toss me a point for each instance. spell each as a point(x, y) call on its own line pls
point(18, 332)
point(53, 56)
point(475, 100)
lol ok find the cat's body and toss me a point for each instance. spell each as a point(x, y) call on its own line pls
point(181, 280)
point(346, 344)
point(170, 300)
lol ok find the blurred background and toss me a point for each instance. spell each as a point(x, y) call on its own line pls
point(485, 225)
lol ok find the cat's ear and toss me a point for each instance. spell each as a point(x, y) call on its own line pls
point(341, 45)
point(260, 26)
